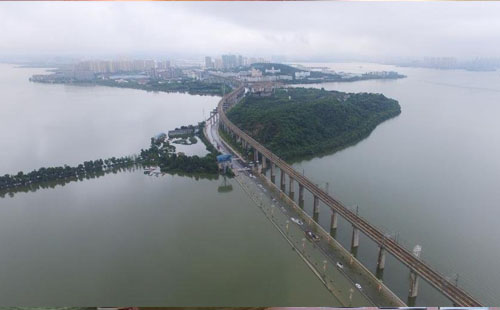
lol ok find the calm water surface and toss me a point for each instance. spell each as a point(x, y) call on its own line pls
point(50, 125)
point(430, 175)
point(127, 238)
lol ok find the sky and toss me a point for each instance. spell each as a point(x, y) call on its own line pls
point(316, 30)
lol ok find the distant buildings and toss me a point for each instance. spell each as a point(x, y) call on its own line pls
point(255, 72)
point(302, 75)
point(120, 66)
point(230, 61)
point(273, 71)
point(163, 64)
point(208, 62)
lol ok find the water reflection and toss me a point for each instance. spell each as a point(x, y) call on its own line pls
point(31, 188)
point(225, 187)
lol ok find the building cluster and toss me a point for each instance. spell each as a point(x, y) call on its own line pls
point(231, 61)
point(118, 66)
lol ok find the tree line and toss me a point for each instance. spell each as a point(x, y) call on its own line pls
point(85, 170)
point(160, 153)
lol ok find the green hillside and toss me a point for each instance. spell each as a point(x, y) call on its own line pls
point(302, 122)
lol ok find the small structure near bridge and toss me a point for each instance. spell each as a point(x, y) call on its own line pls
point(223, 161)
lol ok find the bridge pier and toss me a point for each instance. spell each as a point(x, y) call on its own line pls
point(301, 195)
point(413, 292)
point(380, 262)
point(255, 156)
point(355, 241)
point(282, 181)
point(333, 224)
point(273, 176)
point(264, 162)
point(316, 208)
point(291, 189)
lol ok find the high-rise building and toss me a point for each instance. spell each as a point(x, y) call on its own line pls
point(208, 62)
point(218, 63)
point(165, 64)
point(229, 61)
point(149, 64)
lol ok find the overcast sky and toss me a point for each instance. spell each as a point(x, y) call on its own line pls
point(297, 30)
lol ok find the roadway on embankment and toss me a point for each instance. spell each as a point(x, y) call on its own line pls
point(341, 282)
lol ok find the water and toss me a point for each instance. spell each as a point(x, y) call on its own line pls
point(430, 175)
point(51, 125)
point(129, 238)
point(132, 239)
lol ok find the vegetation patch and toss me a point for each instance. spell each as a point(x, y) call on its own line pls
point(160, 153)
point(296, 123)
point(190, 86)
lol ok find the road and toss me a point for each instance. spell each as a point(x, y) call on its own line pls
point(343, 279)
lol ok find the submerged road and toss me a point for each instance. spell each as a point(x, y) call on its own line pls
point(417, 266)
point(342, 279)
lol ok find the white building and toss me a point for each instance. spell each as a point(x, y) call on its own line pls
point(273, 71)
point(302, 74)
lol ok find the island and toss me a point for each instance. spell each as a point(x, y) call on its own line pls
point(295, 123)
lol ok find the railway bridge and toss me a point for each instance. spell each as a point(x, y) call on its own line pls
point(417, 267)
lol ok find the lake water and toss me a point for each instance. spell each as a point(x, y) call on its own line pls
point(50, 125)
point(128, 238)
point(430, 175)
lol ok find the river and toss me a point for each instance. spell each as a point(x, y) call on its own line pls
point(430, 176)
point(128, 238)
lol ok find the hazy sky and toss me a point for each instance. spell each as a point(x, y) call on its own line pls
point(298, 30)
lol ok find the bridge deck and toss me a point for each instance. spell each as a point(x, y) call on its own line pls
point(454, 293)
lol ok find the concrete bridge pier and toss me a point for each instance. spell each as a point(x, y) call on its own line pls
point(301, 195)
point(282, 180)
point(316, 209)
point(291, 189)
point(273, 171)
point(264, 162)
point(380, 262)
point(333, 224)
point(355, 241)
point(413, 292)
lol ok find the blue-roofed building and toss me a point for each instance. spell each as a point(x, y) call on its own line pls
point(224, 158)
